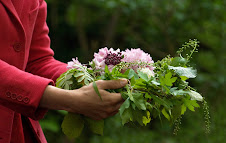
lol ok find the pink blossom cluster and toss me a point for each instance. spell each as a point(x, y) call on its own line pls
point(101, 58)
point(104, 55)
point(137, 56)
point(111, 57)
point(72, 64)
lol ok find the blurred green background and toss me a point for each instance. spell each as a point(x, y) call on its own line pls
point(78, 28)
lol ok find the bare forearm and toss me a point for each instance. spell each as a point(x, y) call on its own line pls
point(55, 98)
point(85, 100)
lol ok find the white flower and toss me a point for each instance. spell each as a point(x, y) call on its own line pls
point(195, 96)
point(147, 71)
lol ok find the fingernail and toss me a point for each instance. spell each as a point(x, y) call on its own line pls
point(123, 81)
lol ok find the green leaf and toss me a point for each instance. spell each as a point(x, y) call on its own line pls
point(183, 78)
point(138, 116)
point(143, 75)
point(106, 70)
point(176, 112)
point(195, 95)
point(81, 78)
point(194, 103)
point(188, 104)
point(139, 101)
point(181, 71)
point(178, 92)
point(96, 126)
point(78, 74)
point(131, 73)
point(165, 114)
point(72, 125)
point(124, 95)
point(146, 119)
point(178, 61)
point(183, 109)
point(168, 79)
point(96, 89)
point(124, 106)
point(161, 101)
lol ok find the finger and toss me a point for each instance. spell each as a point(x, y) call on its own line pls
point(117, 107)
point(115, 98)
point(111, 84)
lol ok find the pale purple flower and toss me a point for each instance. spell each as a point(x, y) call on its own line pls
point(72, 63)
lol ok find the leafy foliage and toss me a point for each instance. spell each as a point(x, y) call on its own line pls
point(163, 94)
point(158, 27)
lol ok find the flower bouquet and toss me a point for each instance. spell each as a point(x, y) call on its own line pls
point(155, 89)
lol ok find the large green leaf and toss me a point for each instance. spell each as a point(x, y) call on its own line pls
point(181, 71)
point(96, 126)
point(139, 101)
point(72, 125)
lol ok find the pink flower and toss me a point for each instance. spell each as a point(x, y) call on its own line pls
point(107, 57)
point(137, 56)
point(72, 63)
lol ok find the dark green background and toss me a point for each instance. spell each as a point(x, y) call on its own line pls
point(78, 28)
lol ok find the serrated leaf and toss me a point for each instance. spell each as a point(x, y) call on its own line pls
point(96, 126)
point(72, 125)
point(139, 101)
point(181, 71)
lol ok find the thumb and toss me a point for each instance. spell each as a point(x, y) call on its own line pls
point(111, 84)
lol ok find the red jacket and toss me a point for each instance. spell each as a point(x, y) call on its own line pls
point(27, 66)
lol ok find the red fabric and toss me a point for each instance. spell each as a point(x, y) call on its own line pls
point(27, 67)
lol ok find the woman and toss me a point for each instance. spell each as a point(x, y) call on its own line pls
point(28, 72)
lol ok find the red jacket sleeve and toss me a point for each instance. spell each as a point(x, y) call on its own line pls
point(22, 91)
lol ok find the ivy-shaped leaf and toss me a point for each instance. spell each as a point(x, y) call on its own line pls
point(168, 79)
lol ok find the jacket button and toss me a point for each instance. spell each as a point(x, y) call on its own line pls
point(26, 100)
point(17, 47)
point(8, 94)
point(13, 96)
point(19, 98)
